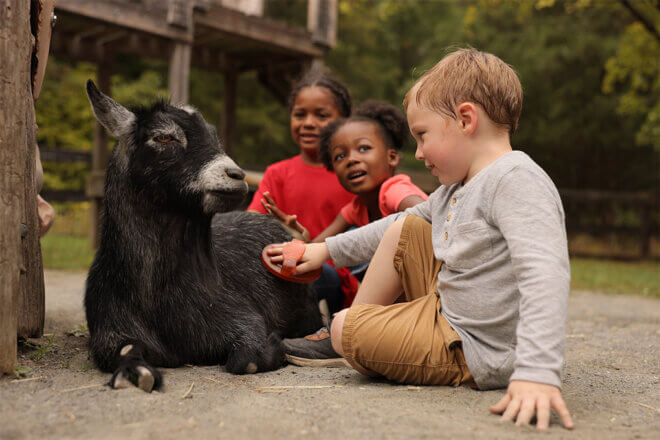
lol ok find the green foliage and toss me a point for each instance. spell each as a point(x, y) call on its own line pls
point(65, 117)
point(635, 72)
point(589, 70)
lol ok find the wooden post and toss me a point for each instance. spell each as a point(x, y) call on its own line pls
point(179, 72)
point(322, 21)
point(229, 112)
point(32, 300)
point(15, 98)
point(100, 156)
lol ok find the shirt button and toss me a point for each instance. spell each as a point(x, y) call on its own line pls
point(446, 235)
point(449, 217)
point(453, 201)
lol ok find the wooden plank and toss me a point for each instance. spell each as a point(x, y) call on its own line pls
point(268, 33)
point(587, 196)
point(128, 16)
point(64, 195)
point(15, 50)
point(49, 154)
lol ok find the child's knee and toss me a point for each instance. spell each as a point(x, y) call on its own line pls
point(336, 331)
point(393, 231)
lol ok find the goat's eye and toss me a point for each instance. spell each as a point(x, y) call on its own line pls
point(163, 138)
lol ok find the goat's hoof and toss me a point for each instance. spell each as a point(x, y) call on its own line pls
point(251, 368)
point(140, 376)
point(120, 381)
point(145, 380)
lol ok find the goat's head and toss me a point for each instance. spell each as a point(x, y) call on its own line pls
point(171, 155)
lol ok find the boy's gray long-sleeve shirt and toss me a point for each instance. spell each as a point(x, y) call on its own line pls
point(505, 280)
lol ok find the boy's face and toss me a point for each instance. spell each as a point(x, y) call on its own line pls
point(440, 144)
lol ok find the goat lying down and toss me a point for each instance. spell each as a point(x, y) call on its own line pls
point(173, 282)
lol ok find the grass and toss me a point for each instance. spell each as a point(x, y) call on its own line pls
point(637, 278)
point(67, 252)
point(43, 349)
point(66, 246)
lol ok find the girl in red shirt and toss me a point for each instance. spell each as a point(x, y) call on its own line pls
point(301, 190)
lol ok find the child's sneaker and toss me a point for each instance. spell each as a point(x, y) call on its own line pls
point(313, 350)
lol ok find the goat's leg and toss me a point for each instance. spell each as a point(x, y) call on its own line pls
point(251, 358)
point(133, 369)
point(131, 359)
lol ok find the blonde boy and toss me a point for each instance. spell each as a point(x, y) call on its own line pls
point(483, 263)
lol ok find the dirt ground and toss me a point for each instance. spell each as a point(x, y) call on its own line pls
point(611, 386)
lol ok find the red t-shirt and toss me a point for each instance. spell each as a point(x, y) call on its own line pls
point(311, 192)
point(392, 192)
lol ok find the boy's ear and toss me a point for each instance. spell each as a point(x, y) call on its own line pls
point(467, 117)
point(393, 158)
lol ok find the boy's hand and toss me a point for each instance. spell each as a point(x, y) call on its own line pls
point(289, 220)
point(315, 255)
point(523, 399)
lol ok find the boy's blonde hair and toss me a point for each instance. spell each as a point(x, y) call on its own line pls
point(474, 76)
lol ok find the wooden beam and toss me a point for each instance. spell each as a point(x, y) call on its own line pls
point(128, 16)
point(62, 155)
point(179, 74)
point(274, 35)
point(15, 97)
point(229, 112)
point(64, 195)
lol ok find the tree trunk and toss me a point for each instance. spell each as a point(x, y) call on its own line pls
point(15, 51)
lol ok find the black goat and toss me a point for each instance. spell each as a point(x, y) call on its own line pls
point(171, 282)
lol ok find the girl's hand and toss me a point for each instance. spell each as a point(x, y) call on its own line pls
point(288, 220)
point(525, 399)
point(315, 255)
point(46, 215)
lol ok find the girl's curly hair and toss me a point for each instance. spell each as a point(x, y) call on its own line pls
point(320, 77)
point(389, 119)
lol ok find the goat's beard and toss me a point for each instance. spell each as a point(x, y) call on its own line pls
point(213, 203)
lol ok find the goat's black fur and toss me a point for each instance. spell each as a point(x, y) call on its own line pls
point(172, 283)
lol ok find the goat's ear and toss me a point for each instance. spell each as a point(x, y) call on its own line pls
point(113, 116)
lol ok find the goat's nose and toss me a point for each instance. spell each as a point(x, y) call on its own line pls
point(235, 173)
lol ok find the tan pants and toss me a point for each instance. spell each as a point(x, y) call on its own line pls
point(409, 342)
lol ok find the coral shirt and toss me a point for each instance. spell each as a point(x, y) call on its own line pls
point(311, 192)
point(392, 192)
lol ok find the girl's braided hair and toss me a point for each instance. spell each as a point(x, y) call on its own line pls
point(390, 121)
point(320, 77)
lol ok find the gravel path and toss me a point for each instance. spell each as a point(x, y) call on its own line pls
point(611, 385)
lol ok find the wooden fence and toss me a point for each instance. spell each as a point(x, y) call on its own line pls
point(595, 213)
